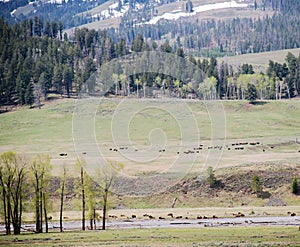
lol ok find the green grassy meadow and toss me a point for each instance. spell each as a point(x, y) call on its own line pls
point(150, 125)
point(241, 236)
point(177, 126)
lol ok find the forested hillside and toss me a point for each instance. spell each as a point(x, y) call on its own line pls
point(229, 36)
point(18, 10)
point(286, 7)
point(37, 59)
point(235, 36)
point(208, 37)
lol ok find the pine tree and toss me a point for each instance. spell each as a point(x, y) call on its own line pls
point(256, 185)
point(42, 83)
point(57, 79)
point(295, 186)
point(211, 178)
point(60, 29)
point(251, 92)
point(68, 76)
point(29, 97)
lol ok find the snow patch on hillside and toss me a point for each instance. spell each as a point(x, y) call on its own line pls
point(176, 14)
point(113, 12)
point(57, 1)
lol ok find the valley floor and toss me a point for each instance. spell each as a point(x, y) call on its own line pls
point(205, 236)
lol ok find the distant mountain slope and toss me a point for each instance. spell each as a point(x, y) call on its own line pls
point(201, 27)
point(77, 12)
point(64, 10)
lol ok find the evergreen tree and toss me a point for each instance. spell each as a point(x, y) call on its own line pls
point(138, 44)
point(60, 29)
point(295, 186)
point(211, 178)
point(251, 92)
point(256, 185)
point(29, 97)
point(42, 83)
point(68, 76)
point(57, 79)
point(54, 29)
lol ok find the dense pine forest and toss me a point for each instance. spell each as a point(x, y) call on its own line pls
point(229, 36)
point(38, 59)
point(202, 38)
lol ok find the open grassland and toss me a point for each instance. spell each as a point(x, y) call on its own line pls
point(139, 135)
point(24, 10)
point(153, 135)
point(259, 61)
point(217, 14)
point(230, 13)
point(97, 9)
point(247, 236)
point(100, 25)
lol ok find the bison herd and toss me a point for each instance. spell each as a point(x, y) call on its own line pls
point(197, 149)
point(237, 146)
point(170, 216)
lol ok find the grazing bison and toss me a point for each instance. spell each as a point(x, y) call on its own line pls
point(239, 214)
point(171, 215)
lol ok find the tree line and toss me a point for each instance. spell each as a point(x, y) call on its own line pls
point(36, 59)
point(27, 185)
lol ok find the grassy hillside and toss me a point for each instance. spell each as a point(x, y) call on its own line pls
point(259, 60)
point(162, 156)
point(150, 126)
point(100, 25)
